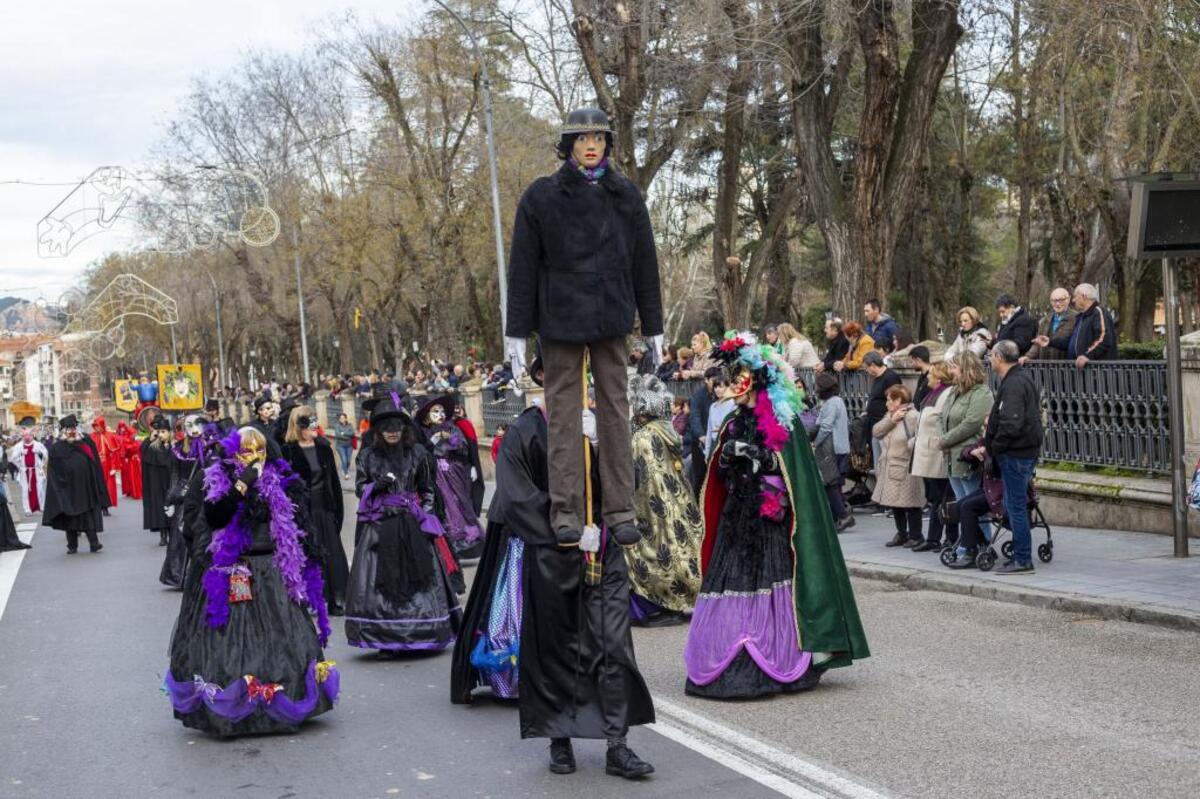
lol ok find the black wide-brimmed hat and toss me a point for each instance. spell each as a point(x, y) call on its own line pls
point(387, 406)
point(447, 401)
point(68, 421)
point(382, 390)
point(27, 421)
point(161, 422)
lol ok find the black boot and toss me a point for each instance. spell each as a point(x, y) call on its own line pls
point(562, 757)
point(162, 538)
point(622, 762)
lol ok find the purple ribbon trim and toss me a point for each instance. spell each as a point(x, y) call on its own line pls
point(371, 509)
point(234, 702)
point(419, 645)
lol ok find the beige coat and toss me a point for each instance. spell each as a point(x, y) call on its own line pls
point(928, 458)
point(894, 486)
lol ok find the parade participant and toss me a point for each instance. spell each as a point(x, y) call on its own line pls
point(156, 461)
point(75, 491)
point(29, 456)
point(311, 458)
point(147, 392)
point(266, 413)
point(664, 567)
point(452, 450)
point(776, 609)
point(212, 412)
point(9, 541)
point(478, 485)
point(131, 461)
point(187, 461)
point(583, 263)
point(400, 595)
point(245, 654)
point(111, 451)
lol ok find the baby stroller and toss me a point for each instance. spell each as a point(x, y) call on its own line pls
point(986, 558)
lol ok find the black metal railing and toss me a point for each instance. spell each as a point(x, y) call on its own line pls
point(501, 410)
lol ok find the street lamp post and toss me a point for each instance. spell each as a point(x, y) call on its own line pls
point(220, 338)
point(491, 148)
point(300, 297)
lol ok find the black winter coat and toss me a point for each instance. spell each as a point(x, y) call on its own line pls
point(1020, 328)
point(1015, 424)
point(877, 396)
point(330, 486)
point(583, 260)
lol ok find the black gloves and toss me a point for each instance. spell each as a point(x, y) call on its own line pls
point(756, 457)
point(249, 475)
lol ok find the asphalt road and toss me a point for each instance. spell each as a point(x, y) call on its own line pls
point(961, 697)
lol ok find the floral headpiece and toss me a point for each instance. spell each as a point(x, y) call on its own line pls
point(779, 402)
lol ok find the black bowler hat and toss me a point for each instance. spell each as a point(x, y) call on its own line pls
point(68, 421)
point(161, 422)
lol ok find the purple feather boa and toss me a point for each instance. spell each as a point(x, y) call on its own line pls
point(301, 578)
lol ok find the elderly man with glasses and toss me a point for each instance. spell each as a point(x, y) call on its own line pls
point(1059, 322)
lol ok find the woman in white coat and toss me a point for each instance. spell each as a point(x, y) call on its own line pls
point(929, 460)
point(895, 487)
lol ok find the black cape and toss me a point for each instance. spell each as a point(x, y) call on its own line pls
point(8, 531)
point(75, 489)
point(578, 674)
point(156, 481)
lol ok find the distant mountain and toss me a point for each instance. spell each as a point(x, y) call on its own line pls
point(22, 316)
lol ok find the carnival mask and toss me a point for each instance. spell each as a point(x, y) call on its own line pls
point(251, 452)
point(740, 385)
point(193, 426)
point(303, 422)
point(269, 411)
point(437, 415)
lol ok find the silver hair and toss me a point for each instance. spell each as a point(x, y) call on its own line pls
point(873, 358)
point(1089, 291)
point(1007, 351)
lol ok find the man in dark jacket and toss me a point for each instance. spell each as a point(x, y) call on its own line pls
point(1016, 324)
point(879, 326)
point(882, 378)
point(75, 490)
point(697, 426)
point(1014, 440)
point(1059, 322)
point(1093, 337)
point(583, 264)
point(839, 345)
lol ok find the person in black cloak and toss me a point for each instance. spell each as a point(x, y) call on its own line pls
point(575, 673)
point(478, 484)
point(452, 450)
point(187, 461)
point(311, 458)
point(246, 650)
point(156, 478)
point(76, 494)
point(266, 413)
point(400, 596)
point(9, 540)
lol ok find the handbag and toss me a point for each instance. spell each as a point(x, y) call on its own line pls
point(827, 463)
point(948, 511)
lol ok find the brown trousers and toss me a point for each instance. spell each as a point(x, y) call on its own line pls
point(563, 363)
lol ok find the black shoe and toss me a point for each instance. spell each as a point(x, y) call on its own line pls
point(162, 538)
point(568, 536)
point(97, 548)
point(897, 540)
point(927, 546)
point(72, 550)
point(626, 534)
point(337, 610)
point(562, 757)
point(913, 542)
point(846, 522)
point(966, 561)
point(622, 762)
point(1016, 568)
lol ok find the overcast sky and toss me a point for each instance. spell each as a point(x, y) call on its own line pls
point(85, 84)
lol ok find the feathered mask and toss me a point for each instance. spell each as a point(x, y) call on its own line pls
point(758, 367)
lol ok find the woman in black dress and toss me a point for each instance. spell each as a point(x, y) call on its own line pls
point(311, 457)
point(156, 478)
point(245, 653)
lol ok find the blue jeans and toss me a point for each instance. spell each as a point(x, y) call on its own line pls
point(964, 487)
point(1016, 474)
point(345, 453)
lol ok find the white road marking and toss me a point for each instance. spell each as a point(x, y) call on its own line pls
point(780, 771)
point(10, 562)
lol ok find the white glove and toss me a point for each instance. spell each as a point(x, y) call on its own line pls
point(656, 347)
point(169, 510)
point(514, 349)
point(474, 474)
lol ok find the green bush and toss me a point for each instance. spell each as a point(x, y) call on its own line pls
point(1140, 350)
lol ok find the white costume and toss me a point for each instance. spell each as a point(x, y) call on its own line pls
point(37, 473)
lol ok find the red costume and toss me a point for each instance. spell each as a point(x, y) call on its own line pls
point(112, 451)
point(131, 462)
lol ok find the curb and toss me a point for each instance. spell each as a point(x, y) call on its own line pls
point(1112, 610)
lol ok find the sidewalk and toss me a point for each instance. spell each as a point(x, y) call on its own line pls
point(1104, 573)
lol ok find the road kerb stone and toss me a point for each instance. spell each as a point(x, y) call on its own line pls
point(1111, 610)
